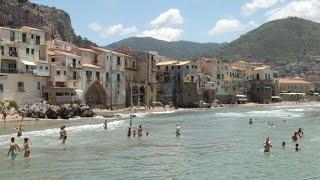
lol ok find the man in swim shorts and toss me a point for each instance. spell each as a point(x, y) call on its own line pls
point(267, 145)
point(63, 134)
point(14, 147)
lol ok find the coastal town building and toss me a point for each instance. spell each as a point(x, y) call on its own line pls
point(23, 64)
point(295, 85)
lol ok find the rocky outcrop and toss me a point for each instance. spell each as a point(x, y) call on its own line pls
point(55, 22)
point(66, 111)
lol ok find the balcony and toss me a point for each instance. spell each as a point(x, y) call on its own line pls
point(9, 70)
point(74, 77)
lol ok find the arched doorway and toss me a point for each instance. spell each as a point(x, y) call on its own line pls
point(96, 96)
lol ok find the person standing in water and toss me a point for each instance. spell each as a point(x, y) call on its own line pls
point(297, 148)
point(129, 132)
point(20, 130)
point(14, 147)
point(300, 133)
point(250, 121)
point(63, 134)
point(140, 131)
point(26, 147)
point(134, 133)
point(295, 137)
point(105, 125)
point(283, 144)
point(178, 130)
point(267, 145)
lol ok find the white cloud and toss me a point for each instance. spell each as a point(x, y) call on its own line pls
point(251, 7)
point(94, 26)
point(172, 16)
point(307, 9)
point(166, 34)
point(117, 30)
point(224, 26)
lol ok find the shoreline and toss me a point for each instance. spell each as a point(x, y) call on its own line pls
point(113, 114)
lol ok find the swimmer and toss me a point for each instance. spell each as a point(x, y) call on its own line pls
point(297, 148)
point(267, 145)
point(140, 131)
point(250, 121)
point(300, 133)
point(26, 147)
point(20, 130)
point(295, 137)
point(129, 132)
point(105, 125)
point(134, 133)
point(14, 147)
point(178, 130)
point(63, 134)
point(283, 144)
point(147, 134)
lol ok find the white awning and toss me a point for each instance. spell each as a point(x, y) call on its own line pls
point(29, 63)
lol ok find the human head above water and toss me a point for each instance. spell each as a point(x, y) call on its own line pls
point(26, 140)
point(12, 139)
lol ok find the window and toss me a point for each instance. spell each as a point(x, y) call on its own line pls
point(2, 50)
point(118, 61)
point(178, 67)
point(58, 73)
point(172, 67)
point(39, 85)
point(40, 67)
point(118, 77)
point(187, 66)
point(37, 40)
point(12, 36)
point(32, 51)
point(167, 68)
point(1, 87)
point(24, 37)
point(13, 51)
point(107, 76)
point(31, 36)
point(98, 76)
point(47, 68)
point(53, 60)
point(218, 76)
point(27, 50)
point(65, 72)
point(125, 62)
point(134, 64)
point(258, 76)
point(21, 86)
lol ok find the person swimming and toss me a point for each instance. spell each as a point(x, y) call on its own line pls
point(20, 130)
point(267, 145)
point(250, 121)
point(134, 133)
point(14, 147)
point(147, 134)
point(297, 148)
point(26, 147)
point(140, 131)
point(300, 133)
point(295, 137)
point(178, 130)
point(129, 132)
point(105, 125)
point(283, 144)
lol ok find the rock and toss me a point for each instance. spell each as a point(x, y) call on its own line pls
point(86, 111)
point(66, 111)
point(53, 112)
point(75, 110)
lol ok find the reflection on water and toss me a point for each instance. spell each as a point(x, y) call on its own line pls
point(215, 143)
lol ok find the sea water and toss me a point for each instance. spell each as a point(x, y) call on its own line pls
point(214, 144)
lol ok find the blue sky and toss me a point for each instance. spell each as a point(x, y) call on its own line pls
point(107, 21)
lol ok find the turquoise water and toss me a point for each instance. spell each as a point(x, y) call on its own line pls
point(215, 144)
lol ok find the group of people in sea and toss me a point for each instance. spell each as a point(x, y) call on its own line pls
point(134, 133)
point(14, 148)
point(267, 145)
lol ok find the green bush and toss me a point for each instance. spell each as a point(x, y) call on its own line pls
point(12, 104)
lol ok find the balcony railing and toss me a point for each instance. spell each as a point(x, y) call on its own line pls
point(9, 70)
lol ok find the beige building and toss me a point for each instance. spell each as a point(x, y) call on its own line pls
point(295, 85)
point(22, 54)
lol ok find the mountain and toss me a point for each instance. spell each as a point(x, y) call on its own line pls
point(178, 49)
point(56, 23)
point(280, 41)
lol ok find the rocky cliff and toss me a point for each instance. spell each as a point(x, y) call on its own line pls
point(55, 22)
